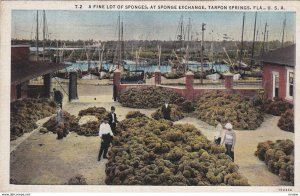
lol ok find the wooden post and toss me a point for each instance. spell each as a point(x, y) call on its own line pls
point(47, 85)
point(73, 86)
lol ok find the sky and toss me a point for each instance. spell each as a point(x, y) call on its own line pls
point(151, 25)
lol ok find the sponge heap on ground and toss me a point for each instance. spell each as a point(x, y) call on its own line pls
point(149, 97)
point(151, 152)
point(286, 121)
point(24, 114)
point(225, 107)
point(279, 157)
point(176, 113)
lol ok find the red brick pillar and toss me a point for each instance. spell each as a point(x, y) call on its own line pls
point(116, 83)
point(189, 79)
point(228, 81)
point(157, 76)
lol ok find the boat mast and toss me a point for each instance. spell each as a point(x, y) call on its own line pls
point(159, 56)
point(119, 40)
point(242, 42)
point(122, 43)
point(263, 46)
point(267, 41)
point(44, 33)
point(37, 36)
point(284, 24)
point(203, 29)
point(252, 53)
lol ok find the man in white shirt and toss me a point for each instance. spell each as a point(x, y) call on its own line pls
point(105, 134)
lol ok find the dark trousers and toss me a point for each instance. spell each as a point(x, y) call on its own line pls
point(113, 128)
point(104, 148)
point(229, 152)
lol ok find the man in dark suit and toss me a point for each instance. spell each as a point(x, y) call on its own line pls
point(58, 97)
point(112, 119)
point(166, 111)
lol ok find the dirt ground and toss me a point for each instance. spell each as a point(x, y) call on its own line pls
point(38, 158)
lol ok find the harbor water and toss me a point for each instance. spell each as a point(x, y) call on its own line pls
point(164, 68)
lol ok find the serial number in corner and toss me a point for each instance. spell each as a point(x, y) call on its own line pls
point(285, 189)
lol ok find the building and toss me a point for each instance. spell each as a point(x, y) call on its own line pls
point(23, 70)
point(278, 73)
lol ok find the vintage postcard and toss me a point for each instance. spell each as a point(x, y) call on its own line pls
point(145, 95)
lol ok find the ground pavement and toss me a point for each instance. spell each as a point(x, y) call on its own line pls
point(38, 158)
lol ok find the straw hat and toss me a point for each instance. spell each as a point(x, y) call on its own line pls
point(228, 126)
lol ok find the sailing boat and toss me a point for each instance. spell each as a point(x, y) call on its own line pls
point(118, 63)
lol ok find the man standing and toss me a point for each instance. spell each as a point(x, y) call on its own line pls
point(219, 132)
point(60, 126)
point(166, 111)
point(105, 134)
point(229, 140)
point(58, 97)
point(112, 119)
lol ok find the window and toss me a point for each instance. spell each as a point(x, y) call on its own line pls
point(275, 84)
point(290, 84)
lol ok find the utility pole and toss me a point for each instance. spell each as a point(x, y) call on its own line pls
point(122, 42)
point(252, 53)
point(37, 36)
point(159, 56)
point(284, 24)
point(242, 42)
point(44, 33)
point(203, 29)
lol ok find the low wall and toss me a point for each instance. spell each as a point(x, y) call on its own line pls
point(188, 91)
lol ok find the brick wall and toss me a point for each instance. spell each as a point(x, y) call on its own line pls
point(188, 91)
point(268, 69)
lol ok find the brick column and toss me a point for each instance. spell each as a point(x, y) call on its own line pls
point(189, 79)
point(116, 83)
point(157, 76)
point(228, 81)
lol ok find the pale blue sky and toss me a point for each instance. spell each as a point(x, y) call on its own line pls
point(102, 25)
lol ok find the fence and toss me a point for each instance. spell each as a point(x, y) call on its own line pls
point(190, 88)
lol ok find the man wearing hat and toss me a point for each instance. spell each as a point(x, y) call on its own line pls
point(112, 119)
point(229, 140)
point(105, 134)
